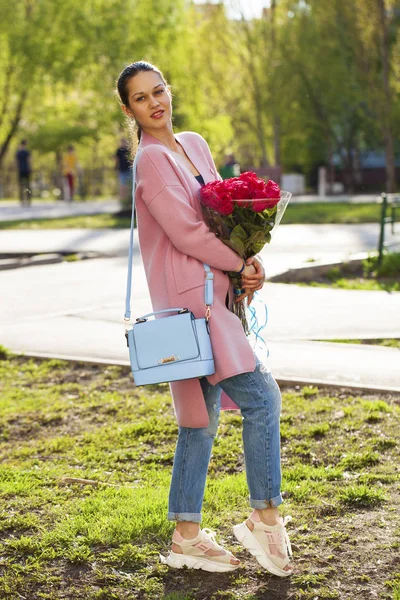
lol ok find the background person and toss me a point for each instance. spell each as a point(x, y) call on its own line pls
point(123, 164)
point(69, 169)
point(24, 169)
point(174, 243)
point(230, 168)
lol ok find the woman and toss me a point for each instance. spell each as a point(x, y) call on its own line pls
point(174, 243)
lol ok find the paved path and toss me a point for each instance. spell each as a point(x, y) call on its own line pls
point(292, 246)
point(75, 310)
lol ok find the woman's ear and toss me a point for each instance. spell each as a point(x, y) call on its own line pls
point(127, 111)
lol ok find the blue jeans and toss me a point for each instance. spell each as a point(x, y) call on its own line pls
point(258, 397)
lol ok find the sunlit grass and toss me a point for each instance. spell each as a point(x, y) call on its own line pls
point(103, 221)
point(102, 540)
point(332, 212)
point(386, 343)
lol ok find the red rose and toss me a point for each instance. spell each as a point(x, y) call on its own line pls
point(239, 190)
point(225, 203)
point(214, 196)
point(255, 184)
point(273, 189)
point(263, 203)
point(208, 196)
point(248, 175)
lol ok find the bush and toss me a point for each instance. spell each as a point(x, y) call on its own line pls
point(390, 266)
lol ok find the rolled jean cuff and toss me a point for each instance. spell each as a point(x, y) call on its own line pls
point(194, 517)
point(260, 504)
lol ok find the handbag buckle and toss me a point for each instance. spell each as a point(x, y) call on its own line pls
point(184, 310)
point(208, 312)
point(139, 320)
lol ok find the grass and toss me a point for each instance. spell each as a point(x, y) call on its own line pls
point(386, 343)
point(308, 214)
point(367, 275)
point(360, 283)
point(103, 221)
point(63, 423)
point(332, 212)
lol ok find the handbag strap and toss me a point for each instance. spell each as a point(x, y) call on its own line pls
point(209, 275)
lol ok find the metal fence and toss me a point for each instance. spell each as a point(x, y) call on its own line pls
point(390, 203)
point(48, 183)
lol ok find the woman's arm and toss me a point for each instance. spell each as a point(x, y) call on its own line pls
point(167, 201)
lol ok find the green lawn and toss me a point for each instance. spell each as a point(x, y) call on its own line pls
point(386, 343)
point(66, 540)
point(334, 212)
point(367, 275)
point(104, 221)
point(360, 283)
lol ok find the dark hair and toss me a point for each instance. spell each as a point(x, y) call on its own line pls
point(127, 74)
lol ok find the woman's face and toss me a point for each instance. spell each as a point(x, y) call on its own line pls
point(149, 101)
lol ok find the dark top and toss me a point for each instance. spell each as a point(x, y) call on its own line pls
point(200, 179)
point(22, 157)
point(123, 158)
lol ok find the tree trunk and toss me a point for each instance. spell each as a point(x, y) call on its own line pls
point(13, 128)
point(256, 92)
point(6, 92)
point(387, 120)
point(331, 170)
point(260, 135)
point(277, 140)
point(276, 117)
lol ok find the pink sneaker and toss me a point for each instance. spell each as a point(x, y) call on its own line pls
point(196, 553)
point(269, 544)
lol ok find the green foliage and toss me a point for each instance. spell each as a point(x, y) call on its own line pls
point(4, 353)
point(354, 461)
point(252, 87)
point(394, 585)
point(362, 496)
point(390, 266)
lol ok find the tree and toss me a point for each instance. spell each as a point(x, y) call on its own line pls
point(59, 61)
point(378, 22)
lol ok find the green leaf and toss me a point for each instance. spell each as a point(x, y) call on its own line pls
point(239, 232)
point(258, 246)
point(258, 236)
point(237, 245)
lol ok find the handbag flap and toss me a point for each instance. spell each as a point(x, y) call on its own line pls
point(165, 341)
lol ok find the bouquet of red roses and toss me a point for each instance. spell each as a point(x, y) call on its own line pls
point(243, 212)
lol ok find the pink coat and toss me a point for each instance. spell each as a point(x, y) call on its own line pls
point(174, 243)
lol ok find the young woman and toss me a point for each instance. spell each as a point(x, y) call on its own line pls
point(174, 243)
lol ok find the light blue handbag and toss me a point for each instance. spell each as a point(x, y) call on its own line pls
point(173, 347)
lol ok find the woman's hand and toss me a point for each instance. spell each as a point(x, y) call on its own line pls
point(253, 278)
